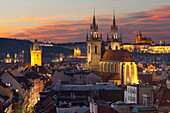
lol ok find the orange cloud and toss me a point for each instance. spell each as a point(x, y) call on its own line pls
point(154, 23)
point(28, 19)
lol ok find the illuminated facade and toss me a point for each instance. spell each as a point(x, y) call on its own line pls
point(113, 60)
point(77, 52)
point(16, 58)
point(141, 39)
point(36, 54)
point(146, 45)
point(8, 59)
point(94, 45)
point(159, 49)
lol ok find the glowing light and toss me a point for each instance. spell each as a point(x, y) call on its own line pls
point(17, 90)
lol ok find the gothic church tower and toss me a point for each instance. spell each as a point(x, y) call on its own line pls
point(94, 47)
point(115, 43)
point(36, 54)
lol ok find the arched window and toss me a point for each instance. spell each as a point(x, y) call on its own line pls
point(108, 67)
point(104, 67)
point(128, 79)
point(89, 49)
point(101, 67)
point(95, 49)
point(116, 47)
point(115, 68)
point(111, 68)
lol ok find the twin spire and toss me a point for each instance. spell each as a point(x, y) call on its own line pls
point(94, 27)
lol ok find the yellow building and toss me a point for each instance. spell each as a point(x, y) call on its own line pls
point(77, 52)
point(36, 54)
point(159, 49)
point(141, 39)
point(8, 59)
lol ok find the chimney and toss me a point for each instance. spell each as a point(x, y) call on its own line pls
point(38, 69)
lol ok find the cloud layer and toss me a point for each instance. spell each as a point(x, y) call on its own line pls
point(154, 23)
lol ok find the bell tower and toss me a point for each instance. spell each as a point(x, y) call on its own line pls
point(94, 48)
point(115, 41)
point(36, 54)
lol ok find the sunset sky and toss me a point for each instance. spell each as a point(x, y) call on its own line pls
point(68, 20)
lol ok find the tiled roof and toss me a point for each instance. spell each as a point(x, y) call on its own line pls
point(145, 78)
point(5, 98)
point(32, 75)
point(162, 96)
point(106, 109)
point(106, 76)
point(1, 107)
point(118, 55)
point(3, 84)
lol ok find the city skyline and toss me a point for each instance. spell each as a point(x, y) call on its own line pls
point(69, 21)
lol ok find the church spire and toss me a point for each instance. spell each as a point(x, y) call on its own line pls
point(94, 18)
point(114, 28)
point(94, 28)
point(114, 20)
point(87, 36)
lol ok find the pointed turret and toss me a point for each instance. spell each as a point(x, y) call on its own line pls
point(114, 28)
point(101, 35)
point(87, 37)
point(94, 28)
point(45, 40)
point(107, 37)
point(94, 18)
point(114, 20)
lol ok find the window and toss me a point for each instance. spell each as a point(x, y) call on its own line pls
point(89, 49)
point(116, 47)
point(95, 49)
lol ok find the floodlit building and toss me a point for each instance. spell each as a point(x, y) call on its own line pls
point(36, 54)
point(8, 59)
point(77, 52)
point(114, 60)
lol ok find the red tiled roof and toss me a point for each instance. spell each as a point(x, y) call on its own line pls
point(162, 96)
point(106, 109)
point(106, 76)
point(1, 108)
point(145, 78)
point(118, 55)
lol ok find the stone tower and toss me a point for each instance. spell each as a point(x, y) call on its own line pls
point(139, 37)
point(36, 54)
point(115, 42)
point(94, 47)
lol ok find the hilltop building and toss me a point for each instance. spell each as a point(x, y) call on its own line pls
point(46, 43)
point(141, 39)
point(114, 60)
point(36, 54)
point(146, 45)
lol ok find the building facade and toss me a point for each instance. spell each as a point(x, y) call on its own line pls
point(36, 54)
point(115, 59)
